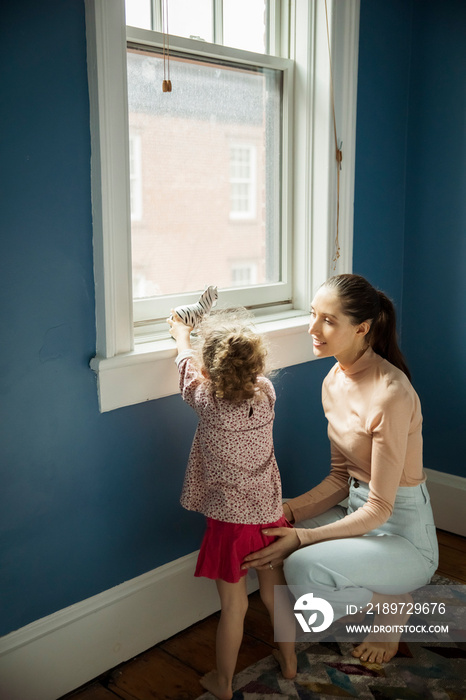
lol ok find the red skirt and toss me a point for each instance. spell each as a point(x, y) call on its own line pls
point(225, 545)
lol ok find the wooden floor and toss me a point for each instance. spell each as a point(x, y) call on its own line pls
point(171, 670)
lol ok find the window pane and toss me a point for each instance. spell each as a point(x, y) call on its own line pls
point(138, 13)
point(135, 176)
point(191, 19)
point(244, 24)
point(209, 174)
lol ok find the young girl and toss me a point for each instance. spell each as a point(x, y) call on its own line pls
point(232, 475)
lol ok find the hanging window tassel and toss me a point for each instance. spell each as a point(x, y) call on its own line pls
point(338, 149)
point(167, 83)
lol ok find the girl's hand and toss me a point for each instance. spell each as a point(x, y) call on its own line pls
point(179, 331)
point(276, 552)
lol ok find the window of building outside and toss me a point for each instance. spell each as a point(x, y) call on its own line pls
point(243, 273)
point(243, 182)
point(228, 179)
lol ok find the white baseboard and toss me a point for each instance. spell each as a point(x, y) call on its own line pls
point(54, 655)
point(448, 498)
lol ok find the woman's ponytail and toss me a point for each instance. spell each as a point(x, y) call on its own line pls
point(362, 302)
point(382, 336)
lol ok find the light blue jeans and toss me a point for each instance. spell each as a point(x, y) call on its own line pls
point(398, 557)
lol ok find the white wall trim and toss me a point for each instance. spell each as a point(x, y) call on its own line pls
point(54, 655)
point(448, 498)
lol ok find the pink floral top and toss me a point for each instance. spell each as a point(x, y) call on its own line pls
point(232, 474)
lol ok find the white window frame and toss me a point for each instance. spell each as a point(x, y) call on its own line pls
point(130, 372)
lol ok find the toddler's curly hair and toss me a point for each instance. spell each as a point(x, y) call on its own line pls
point(232, 354)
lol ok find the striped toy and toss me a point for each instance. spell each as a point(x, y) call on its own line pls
point(192, 314)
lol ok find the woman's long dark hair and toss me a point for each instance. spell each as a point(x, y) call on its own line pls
point(362, 302)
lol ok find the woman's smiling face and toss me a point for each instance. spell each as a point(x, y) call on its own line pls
point(332, 332)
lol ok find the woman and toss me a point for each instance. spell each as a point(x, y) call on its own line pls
point(383, 544)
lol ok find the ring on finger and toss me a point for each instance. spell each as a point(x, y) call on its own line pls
point(270, 565)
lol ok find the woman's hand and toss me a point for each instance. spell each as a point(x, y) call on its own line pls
point(287, 512)
point(286, 543)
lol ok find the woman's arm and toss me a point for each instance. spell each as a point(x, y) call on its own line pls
point(333, 489)
point(286, 543)
point(328, 493)
point(390, 428)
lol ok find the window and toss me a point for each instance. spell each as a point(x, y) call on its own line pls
point(214, 21)
point(225, 106)
point(134, 360)
point(243, 183)
point(197, 184)
point(243, 274)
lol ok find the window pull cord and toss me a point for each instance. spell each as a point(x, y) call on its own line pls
point(167, 83)
point(338, 148)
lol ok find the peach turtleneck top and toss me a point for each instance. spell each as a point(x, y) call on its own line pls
point(374, 425)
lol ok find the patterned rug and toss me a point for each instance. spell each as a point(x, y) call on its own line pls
point(327, 670)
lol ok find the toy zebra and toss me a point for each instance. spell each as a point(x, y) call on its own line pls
point(192, 314)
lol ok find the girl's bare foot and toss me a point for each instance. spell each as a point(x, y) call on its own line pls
point(217, 685)
point(288, 666)
point(380, 647)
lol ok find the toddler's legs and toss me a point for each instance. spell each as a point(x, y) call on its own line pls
point(286, 655)
point(234, 601)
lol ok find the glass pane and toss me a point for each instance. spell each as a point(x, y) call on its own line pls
point(209, 178)
point(191, 19)
point(244, 24)
point(138, 13)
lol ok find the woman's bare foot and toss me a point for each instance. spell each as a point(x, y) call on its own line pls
point(381, 646)
point(288, 666)
point(217, 685)
point(375, 652)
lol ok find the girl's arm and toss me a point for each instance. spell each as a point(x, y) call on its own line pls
point(190, 378)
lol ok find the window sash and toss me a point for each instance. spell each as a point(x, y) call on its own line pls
point(274, 10)
point(150, 314)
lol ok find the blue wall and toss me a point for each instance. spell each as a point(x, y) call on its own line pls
point(381, 133)
point(434, 313)
point(410, 203)
point(90, 500)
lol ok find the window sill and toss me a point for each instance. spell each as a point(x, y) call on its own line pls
point(149, 371)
